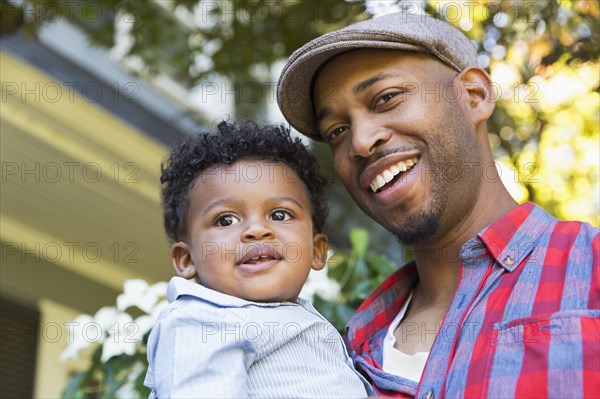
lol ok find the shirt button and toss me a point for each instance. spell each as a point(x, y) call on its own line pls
point(508, 261)
point(428, 395)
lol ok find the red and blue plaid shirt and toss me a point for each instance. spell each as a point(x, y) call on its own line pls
point(524, 321)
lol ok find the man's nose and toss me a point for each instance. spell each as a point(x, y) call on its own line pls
point(366, 137)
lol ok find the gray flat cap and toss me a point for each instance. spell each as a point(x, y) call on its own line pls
point(398, 31)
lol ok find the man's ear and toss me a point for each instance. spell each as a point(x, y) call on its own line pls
point(182, 260)
point(320, 245)
point(481, 98)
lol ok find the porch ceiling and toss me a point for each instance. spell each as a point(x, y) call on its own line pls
point(80, 188)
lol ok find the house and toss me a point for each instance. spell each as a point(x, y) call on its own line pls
point(81, 144)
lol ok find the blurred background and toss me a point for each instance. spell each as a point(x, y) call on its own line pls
point(95, 92)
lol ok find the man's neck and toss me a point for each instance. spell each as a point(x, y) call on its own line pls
point(438, 261)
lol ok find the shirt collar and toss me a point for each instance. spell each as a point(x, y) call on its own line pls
point(513, 237)
point(509, 240)
point(179, 287)
point(380, 308)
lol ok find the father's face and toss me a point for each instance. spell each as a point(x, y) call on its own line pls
point(401, 142)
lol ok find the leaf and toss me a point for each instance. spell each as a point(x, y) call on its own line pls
point(343, 314)
point(380, 265)
point(74, 388)
point(336, 313)
point(143, 390)
point(360, 241)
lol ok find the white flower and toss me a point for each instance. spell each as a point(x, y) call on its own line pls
point(113, 327)
point(146, 322)
point(138, 293)
point(106, 317)
point(319, 283)
point(122, 336)
point(79, 336)
point(159, 289)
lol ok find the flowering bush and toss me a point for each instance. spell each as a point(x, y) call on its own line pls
point(118, 364)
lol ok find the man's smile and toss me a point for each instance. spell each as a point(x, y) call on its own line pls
point(378, 176)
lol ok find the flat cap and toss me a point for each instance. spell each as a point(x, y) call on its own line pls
point(397, 31)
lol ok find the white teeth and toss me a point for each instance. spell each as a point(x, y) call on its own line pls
point(388, 175)
point(255, 258)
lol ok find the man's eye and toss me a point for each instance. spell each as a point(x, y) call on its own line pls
point(280, 216)
point(336, 132)
point(226, 220)
point(385, 98)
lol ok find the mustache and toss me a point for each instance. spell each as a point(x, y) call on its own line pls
point(381, 154)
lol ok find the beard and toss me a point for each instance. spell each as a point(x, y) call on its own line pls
point(448, 190)
point(418, 228)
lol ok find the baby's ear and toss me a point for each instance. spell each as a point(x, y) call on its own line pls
point(182, 260)
point(320, 245)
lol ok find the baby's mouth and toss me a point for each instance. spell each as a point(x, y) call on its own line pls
point(258, 259)
point(257, 254)
point(391, 174)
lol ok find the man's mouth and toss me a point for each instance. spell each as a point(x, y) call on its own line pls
point(391, 174)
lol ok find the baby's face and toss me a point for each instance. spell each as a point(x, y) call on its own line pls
point(250, 232)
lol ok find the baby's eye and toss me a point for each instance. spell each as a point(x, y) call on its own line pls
point(280, 216)
point(226, 220)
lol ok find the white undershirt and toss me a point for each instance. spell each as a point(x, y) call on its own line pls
point(397, 362)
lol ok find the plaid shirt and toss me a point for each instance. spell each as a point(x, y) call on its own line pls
point(524, 321)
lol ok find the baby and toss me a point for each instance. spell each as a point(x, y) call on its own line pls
point(245, 210)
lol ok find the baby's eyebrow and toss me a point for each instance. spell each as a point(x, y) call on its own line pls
point(235, 201)
point(287, 198)
point(220, 202)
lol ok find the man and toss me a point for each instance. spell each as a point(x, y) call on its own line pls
point(502, 300)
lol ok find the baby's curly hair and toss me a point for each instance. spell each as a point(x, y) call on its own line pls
point(229, 144)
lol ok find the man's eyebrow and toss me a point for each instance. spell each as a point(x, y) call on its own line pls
point(359, 88)
point(365, 84)
point(323, 113)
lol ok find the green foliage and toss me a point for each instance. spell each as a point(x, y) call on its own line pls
point(120, 376)
point(359, 271)
point(536, 41)
point(234, 36)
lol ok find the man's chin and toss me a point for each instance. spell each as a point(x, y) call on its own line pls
point(416, 229)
